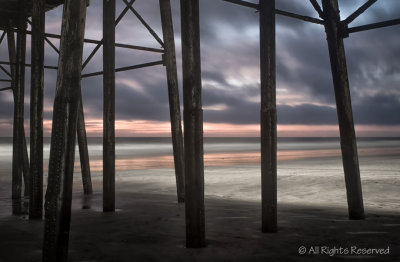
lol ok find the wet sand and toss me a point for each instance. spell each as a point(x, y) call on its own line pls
point(149, 223)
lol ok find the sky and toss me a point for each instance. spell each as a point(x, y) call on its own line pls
point(230, 72)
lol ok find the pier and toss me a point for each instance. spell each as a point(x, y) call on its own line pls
point(20, 18)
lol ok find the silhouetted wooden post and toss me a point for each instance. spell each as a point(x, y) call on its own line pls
point(62, 151)
point(173, 94)
point(12, 58)
point(83, 149)
point(193, 124)
point(109, 105)
point(25, 164)
point(18, 130)
point(344, 110)
point(25, 168)
point(36, 127)
point(268, 117)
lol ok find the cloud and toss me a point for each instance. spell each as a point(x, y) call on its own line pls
point(230, 66)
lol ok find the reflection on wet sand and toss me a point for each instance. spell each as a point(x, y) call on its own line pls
point(227, 159)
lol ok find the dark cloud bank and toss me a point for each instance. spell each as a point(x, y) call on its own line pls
point(230, 48)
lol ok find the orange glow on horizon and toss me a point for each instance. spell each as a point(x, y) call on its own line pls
point(146, 128)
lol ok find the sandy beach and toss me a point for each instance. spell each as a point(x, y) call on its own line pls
point(149, 223)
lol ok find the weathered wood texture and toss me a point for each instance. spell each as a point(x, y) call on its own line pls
point(109, 105)
point(19, 142)
point(62, 151)
point(9, 11)
point(12, 58)
point(193, 124)
point(268, 117)
point(36, 111)
point(173, 95)
point(83, 148)
point(344, 110)
point(361, 28)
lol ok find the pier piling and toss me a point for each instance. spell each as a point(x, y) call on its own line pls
point(173, 95)
point(109, 105)
point(193, 124)
point(268, 117)
point(62, 151)
point(36, 104)
point(348, 142)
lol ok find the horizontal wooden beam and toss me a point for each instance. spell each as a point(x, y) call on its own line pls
point(300, 17)
point(5, 88)
point(142, 48)
point(91, 41)
point(28, 65)
point(121, 69)
point(242, 3)
point(373, 26)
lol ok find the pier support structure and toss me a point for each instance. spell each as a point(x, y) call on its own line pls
point(20, 162)
point(168, 60)
point(173, 95)
point(109, 105)
point(65, 115)
point(193, 124)
point(68, 118)
point(83, 148)
point(36, 111)
point(348, 142)
point(268, 117)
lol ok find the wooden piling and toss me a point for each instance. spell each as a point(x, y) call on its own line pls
point(36, 111)
point(25, 168)
point(193, 124)
point(25, 164)
point(344, 110)
point(173, 95)
point(83, 148)
point(62, 151)
point(109, 105)
point(19, 90)
point(268, 117)
point(23, 150)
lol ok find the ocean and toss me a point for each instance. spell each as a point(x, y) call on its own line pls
point(156, 152)
point(309, 169)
